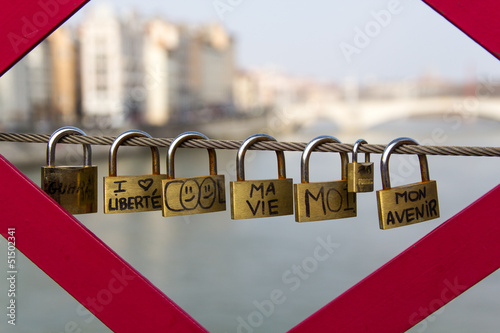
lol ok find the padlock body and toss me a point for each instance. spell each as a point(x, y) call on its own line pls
point(128, 194)
point(194, 195)
point(261, 198)
point(360, 177)
point(73, 187)
point(407, 204)
point(324, 201)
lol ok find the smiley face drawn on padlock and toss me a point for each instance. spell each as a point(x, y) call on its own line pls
point(192, 195)
point(208, 188)
point(73, 187)
point(127, 194)
point(406, 204)
point(323, 200)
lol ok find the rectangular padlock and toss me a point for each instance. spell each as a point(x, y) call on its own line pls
point(128, 194)
point(193, 195)
point(73, 187)
point(261, 198)
point(323, 201)
point(407, 204)
point(360, 177)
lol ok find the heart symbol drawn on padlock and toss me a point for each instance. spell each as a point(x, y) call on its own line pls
point(145, 184)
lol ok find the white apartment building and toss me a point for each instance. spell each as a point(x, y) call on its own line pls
point(217, 65)
point(205, 71)
point(26, 91)
point(111, 66)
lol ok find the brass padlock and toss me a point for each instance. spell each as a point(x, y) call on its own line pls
point(260, 198)
point(407, 204)
point(323, 200)
point(128, 194)
point(192, 195)
point(360, 175)
point(73, 187)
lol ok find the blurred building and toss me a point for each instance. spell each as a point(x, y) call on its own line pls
point(42, 88)
point(161, 71)
point(15, 108)
point(245, 92)
point(39, 63)
point(111, 66)
point(65, 81)
point(205, 59)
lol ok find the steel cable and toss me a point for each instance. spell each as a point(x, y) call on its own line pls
point(264, 145)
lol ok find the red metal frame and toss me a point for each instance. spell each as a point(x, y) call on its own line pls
point(478, 19)
point(429, 274)
point(452, 258)
point(81, 263)
point(24, 24)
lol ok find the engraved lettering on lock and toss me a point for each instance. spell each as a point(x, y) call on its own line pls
point(364, 169)
point(85, 190)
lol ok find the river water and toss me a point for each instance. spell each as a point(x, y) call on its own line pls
point(224, 272)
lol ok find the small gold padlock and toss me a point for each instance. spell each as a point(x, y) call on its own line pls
point(260, 198)
point(192, 195)
point(128, 194)
point(407, 204)
point(359, 175)
point(73, 187)
point(323, 200)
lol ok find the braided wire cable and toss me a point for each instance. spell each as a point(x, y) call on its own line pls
point(264, 145)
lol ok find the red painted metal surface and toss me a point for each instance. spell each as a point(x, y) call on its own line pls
point(451, 259)
point(439, 267)
point(23, 24)
point(81, 263)
point(478, 19)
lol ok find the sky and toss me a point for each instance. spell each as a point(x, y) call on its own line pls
point(328, 40)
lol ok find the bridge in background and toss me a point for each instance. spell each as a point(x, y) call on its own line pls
point(365, 114)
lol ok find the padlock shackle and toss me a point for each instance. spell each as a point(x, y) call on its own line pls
point(57, 136)
point(355, 149)
point(384, 162)
point(240, 157)
point(178, 141)
point(311, 146)
point(120, 139)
